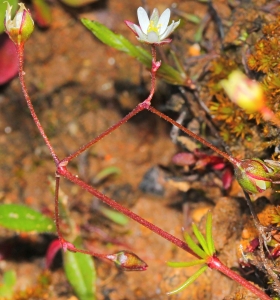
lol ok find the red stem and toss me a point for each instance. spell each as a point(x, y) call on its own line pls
point(214, 263)
point(228, 157)
point(20, 49)
point(65, 173)
point(135, 111)
point(144, 105)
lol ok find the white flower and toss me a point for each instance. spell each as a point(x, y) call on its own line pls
point(154, 30)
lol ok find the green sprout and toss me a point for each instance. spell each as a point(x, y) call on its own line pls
point(204, 251)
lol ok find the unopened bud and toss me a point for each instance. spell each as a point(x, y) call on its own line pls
point(253, 175)
point(246, 93)
point(20, 28)
point(128, 261)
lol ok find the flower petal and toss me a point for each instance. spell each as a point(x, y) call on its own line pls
point(141, 35)
point(152, 37)
point(170, 29)
point(163, 21)
point(131, 26)
point(143, 19)
point(8, 13)
point(261, 184)
point(163, 42)
point(155, 16)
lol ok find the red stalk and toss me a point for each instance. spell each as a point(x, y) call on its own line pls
point(214, 263)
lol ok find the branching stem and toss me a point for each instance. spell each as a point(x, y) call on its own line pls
point(61, 170)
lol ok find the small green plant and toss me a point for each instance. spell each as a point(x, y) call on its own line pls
point(205, 252)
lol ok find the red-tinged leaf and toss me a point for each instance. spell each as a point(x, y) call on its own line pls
point(227, 178)
point(216, 160)
point(184, 159)
point(199, 154)
point(218, 166)
point(128, 261)
point(276, 251)
point(42, 16)
point(52, 250)
point(212, 161)
point(202, 163)
point(253, 245)
point(8, 59)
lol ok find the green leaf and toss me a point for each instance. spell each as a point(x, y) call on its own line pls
point(9, 281)
point(80, 272)
point(185, 264)
point(196, 249)
point(77, 3)
point(188, 281)
point(3, 7)
point(120, 43)
point(192, 18)
point(209, 235)
point(200, 238)
point(113, 215)
point(23, 218)
point(43, 13)
point(103, 174)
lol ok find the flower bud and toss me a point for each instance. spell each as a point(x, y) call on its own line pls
point(246, 93)
point(20, 28)
point(253, 175)
point(128, 261)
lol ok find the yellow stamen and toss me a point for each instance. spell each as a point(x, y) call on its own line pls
point(153, 28)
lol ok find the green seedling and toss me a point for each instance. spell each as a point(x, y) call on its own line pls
point(204, 252)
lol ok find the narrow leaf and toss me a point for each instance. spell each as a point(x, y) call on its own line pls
point(43, 16)
point(9, 278)
point(185, 264)
point(77, 3)
point(120, 43)
point(200, 239)
point(7, 286)
point(103, 174)
point(52, 250)
point(80, 272)
point(192, 18)
point(199, 33)
point(196, 249)
point(188, 281)
point(113, 215)
point(209, 234)
point(22, 218)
